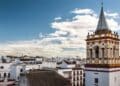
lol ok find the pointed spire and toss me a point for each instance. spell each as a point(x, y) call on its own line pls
point(102, 24)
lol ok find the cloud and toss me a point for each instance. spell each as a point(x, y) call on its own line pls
point(59, 33)
point(113, 15)
point(67, 40)
point(58, 18)
point(41, 35)
point(82, 11)
point(80, 25)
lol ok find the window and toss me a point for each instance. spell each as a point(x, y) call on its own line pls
point(81, 84)
point(74, 78)
point(8, 75)
point(80, 77)
point(84, 82)
point(5, 75)
point(96, 81)
point(1, 67)
point(80, 72)
point(77, 83)
point(97, 52)
point(91, 53)
point(77, 77)
point(114, 52)
point(111, 52)
point(18, 77)
point(21, 70)
point(74, 72)
point(103, 50)
point(77, 72)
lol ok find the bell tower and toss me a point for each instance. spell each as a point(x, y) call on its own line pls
point(103, 62)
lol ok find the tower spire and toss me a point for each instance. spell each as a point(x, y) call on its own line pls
point(102, 24)
point(102, 3)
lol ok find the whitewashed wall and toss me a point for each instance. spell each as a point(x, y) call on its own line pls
point(105, 78)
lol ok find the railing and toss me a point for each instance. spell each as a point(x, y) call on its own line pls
point(103, 35)
point(103, 61)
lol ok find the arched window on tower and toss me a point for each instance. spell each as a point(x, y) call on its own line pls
point(5, 75)
point(113, 52)
point(8, 75)
point(91, 53)
point(103, 52)
point(97, 52)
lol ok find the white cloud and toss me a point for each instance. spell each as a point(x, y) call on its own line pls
point(59, 33)
point(67, 40)
point(82, 11)
point(41, 35)
point(58, 18)
point(113, 15)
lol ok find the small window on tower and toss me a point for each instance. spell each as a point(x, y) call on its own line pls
point(114, 51)
point(91, 53)
point(103, 50)
point(5, 75)
point(97, 51)
point(21, 70)
point(96, 81)
point(2, 67)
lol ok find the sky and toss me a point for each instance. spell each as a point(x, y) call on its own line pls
point(51, 27)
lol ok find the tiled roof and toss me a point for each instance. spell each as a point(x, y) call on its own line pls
point(46, 78)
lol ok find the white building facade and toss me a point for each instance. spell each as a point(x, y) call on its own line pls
point(103, 63)
point(11, 70)
point(77, 76)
